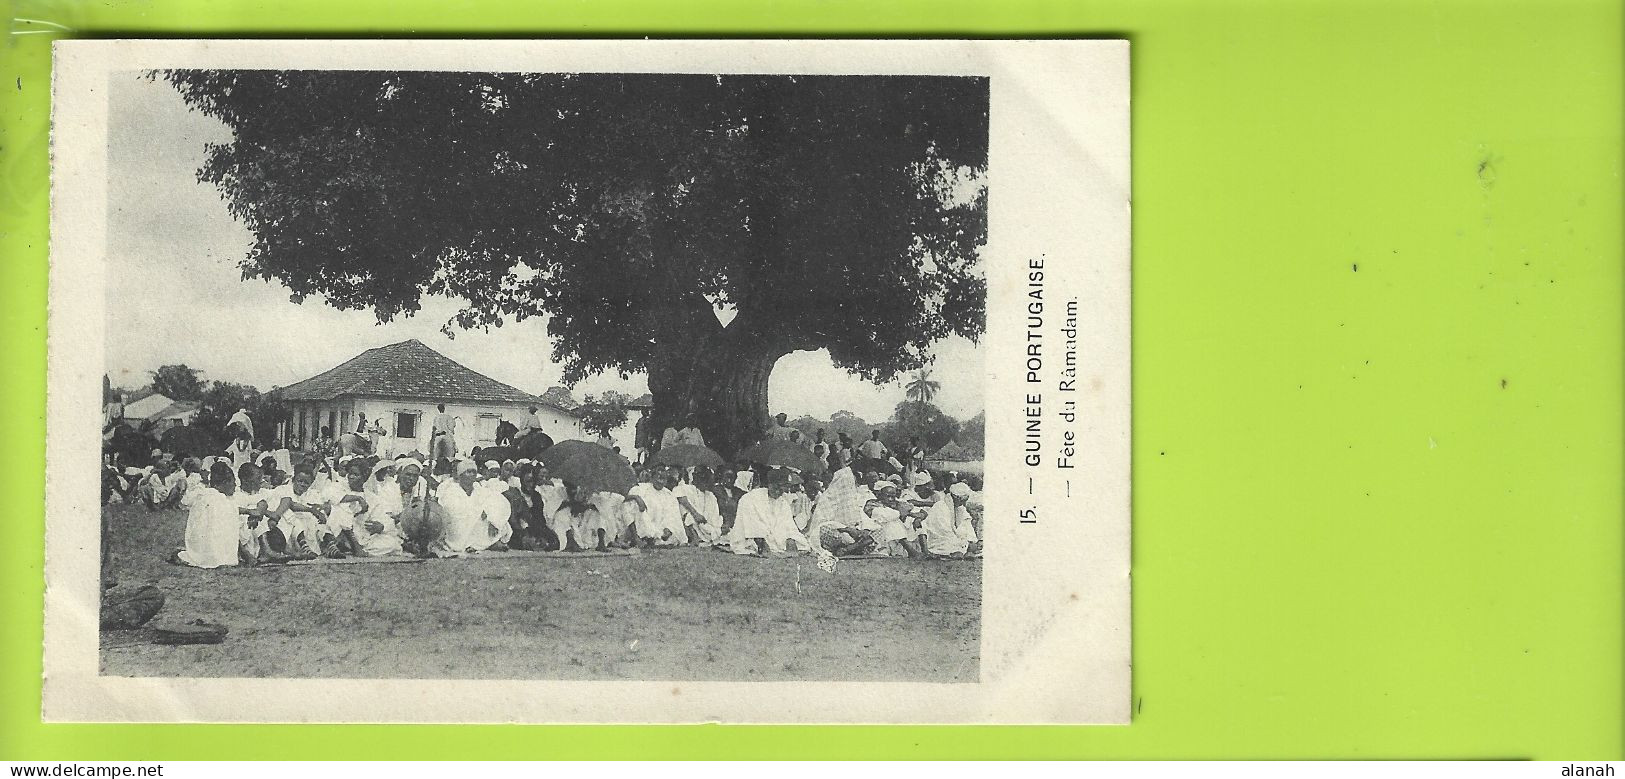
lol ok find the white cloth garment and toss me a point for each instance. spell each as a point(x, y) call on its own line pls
point(585, 527)
point(212, 530)
point(295, 523)
point(608, 519)
point(706, 504)
point(767, 518)
point(342, 514)
point(553, 495)
point(872, 449)
point(947, 528)
point(249, 500)
point(474, 521)
point(660, 514)
point(159, 488)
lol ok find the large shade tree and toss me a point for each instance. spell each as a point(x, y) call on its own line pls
point(839, 213)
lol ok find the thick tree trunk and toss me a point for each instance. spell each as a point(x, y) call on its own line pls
point(723, 383)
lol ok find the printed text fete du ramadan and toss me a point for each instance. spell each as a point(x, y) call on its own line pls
point(1065, 382)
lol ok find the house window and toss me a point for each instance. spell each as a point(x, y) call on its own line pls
point(333, 424)
point(406, 424)
point(486, 428)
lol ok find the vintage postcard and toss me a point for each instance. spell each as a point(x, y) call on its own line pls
point(589, 382)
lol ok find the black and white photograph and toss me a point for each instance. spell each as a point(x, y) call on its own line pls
point(712, 386)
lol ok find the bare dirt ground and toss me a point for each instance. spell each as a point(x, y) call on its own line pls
point(676, 615)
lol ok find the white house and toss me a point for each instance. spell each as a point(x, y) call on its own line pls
point(156, 413)
point(400, 384)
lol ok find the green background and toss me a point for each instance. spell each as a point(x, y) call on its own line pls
point(1377, 511)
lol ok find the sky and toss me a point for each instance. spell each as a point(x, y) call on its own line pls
point(175, 294)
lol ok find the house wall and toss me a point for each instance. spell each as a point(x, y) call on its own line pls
point(476, 422)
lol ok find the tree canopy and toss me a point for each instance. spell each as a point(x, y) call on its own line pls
point(826, 212)
point(178, 382)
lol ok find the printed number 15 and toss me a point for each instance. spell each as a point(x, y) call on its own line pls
point(1029, 516)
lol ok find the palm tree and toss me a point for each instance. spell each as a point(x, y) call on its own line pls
point(922, 388)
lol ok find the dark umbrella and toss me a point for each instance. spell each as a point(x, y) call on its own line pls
point(498, 453)
point(590, 467)
point(189, 441)
point(686, 455)
point(783, 454)
point(533, 444)
point(563, 450)
point(863, 464)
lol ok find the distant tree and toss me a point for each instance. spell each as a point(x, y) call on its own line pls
point(809, 425)
point(921, 387)
point(178, 382)
point(844, 213)
point(973, 435)
point(918, 418)
point(603, 413)
point(854, 426)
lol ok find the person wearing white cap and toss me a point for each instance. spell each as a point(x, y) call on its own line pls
point(947, 528)
point(476, 518)
point(764, 524)
point(893, 522)
point(920, 490)
point(376, 533)
point(655, 512)
point(405, 503)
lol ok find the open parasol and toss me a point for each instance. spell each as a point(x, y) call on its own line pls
point(686, 455)
point(783, 454)
point(498, 453)
point(589, 466)
point(533, 444)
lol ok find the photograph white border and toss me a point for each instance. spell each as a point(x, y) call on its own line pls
point(1055, 644)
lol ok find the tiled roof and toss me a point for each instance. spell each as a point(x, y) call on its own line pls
point(407, 370)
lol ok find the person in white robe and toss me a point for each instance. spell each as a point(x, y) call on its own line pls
point(552, 490)
point(299, 511)
point(687, 433)
point(406, 503)
point(254, 503)
point(947, 527)
point(348, 503)
point(764, 524)
point(658, 517)
point(377, 534)
point(476, 517)
point(578, 523)
point(702, 516)
point(213, 527)
point(608, 524)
